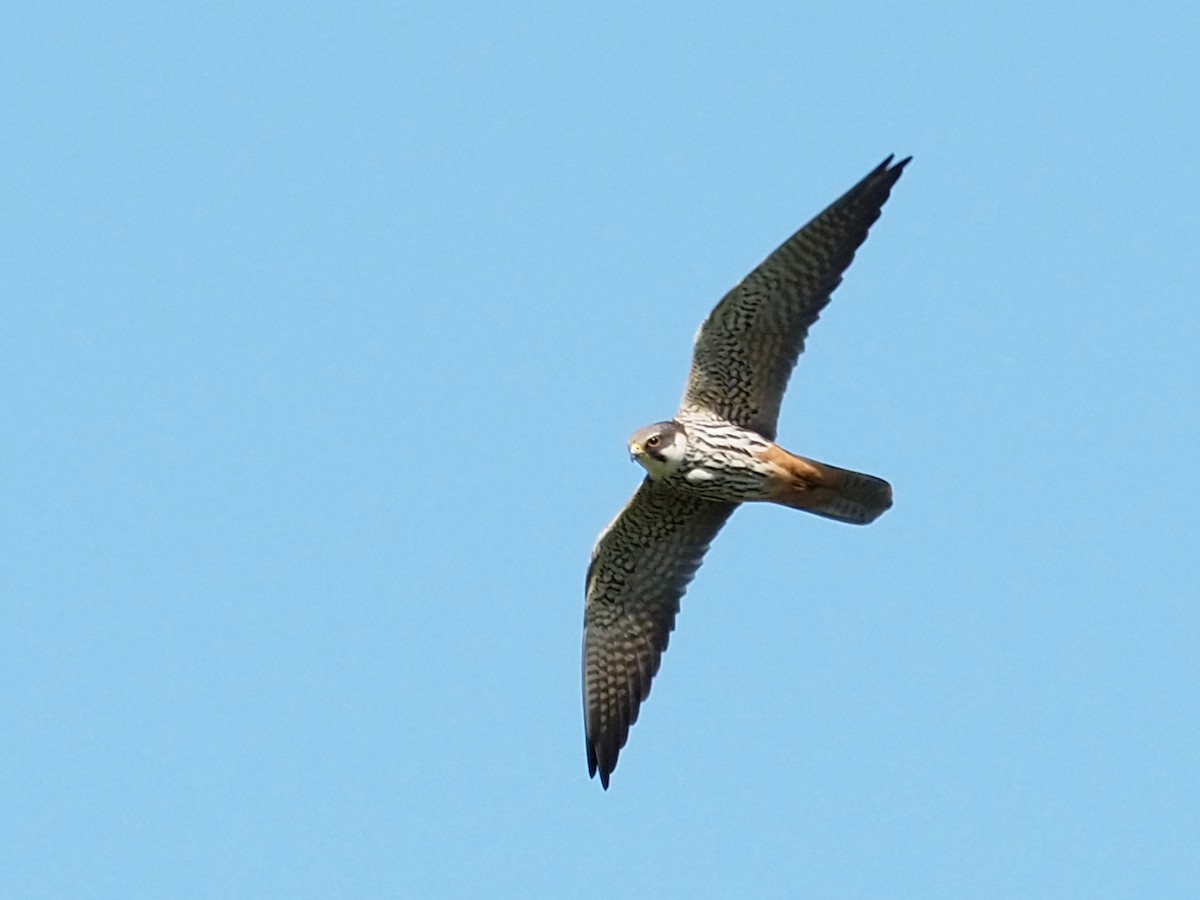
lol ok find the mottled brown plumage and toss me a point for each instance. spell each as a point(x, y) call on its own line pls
point(718, 452)
point(747, 347)
point(646, 557)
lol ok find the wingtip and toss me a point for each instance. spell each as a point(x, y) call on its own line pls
point(897, 168)
point(603, 773)
point(886, 174)
point(595, 768)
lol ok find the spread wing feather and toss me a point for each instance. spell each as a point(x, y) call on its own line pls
point(640, 568)
point(747, 347)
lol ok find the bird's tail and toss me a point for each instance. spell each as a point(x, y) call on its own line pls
point(831, 492)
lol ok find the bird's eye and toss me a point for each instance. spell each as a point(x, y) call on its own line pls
point(652, 441)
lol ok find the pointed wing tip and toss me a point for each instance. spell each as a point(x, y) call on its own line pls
point(594, 767)
point(888, 171)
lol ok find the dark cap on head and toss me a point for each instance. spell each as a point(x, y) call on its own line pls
point(654, 437)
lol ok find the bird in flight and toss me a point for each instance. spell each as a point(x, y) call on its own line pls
point(717, 452)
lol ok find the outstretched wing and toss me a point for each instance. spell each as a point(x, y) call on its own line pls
point(640, 567)
point(747, 347)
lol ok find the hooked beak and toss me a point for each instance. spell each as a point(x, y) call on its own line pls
point(635, 450)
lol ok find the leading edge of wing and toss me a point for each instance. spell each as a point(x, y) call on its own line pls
point(641, 567)
point(748, 345)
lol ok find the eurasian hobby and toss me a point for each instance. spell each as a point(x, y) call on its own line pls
point(718, 452)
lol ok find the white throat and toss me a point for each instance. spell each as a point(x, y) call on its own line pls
point(673, 456)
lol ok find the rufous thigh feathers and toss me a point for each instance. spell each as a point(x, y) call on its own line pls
point(825, 490)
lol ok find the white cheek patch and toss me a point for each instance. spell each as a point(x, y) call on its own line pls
point(676, 452)
point(667, 460)
point(699, 476)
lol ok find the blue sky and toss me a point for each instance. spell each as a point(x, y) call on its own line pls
point(323, 327)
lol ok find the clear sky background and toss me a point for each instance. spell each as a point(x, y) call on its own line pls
point(322, 330)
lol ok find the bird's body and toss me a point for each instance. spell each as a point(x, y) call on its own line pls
point(717, 452)
point(720, 460)
point(723, 461)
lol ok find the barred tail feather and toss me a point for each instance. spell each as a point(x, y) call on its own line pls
point(851, 496)
point(828, 491)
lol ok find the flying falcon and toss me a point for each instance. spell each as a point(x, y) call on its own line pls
point(718, 451)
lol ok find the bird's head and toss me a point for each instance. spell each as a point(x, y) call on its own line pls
point(659, 448)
